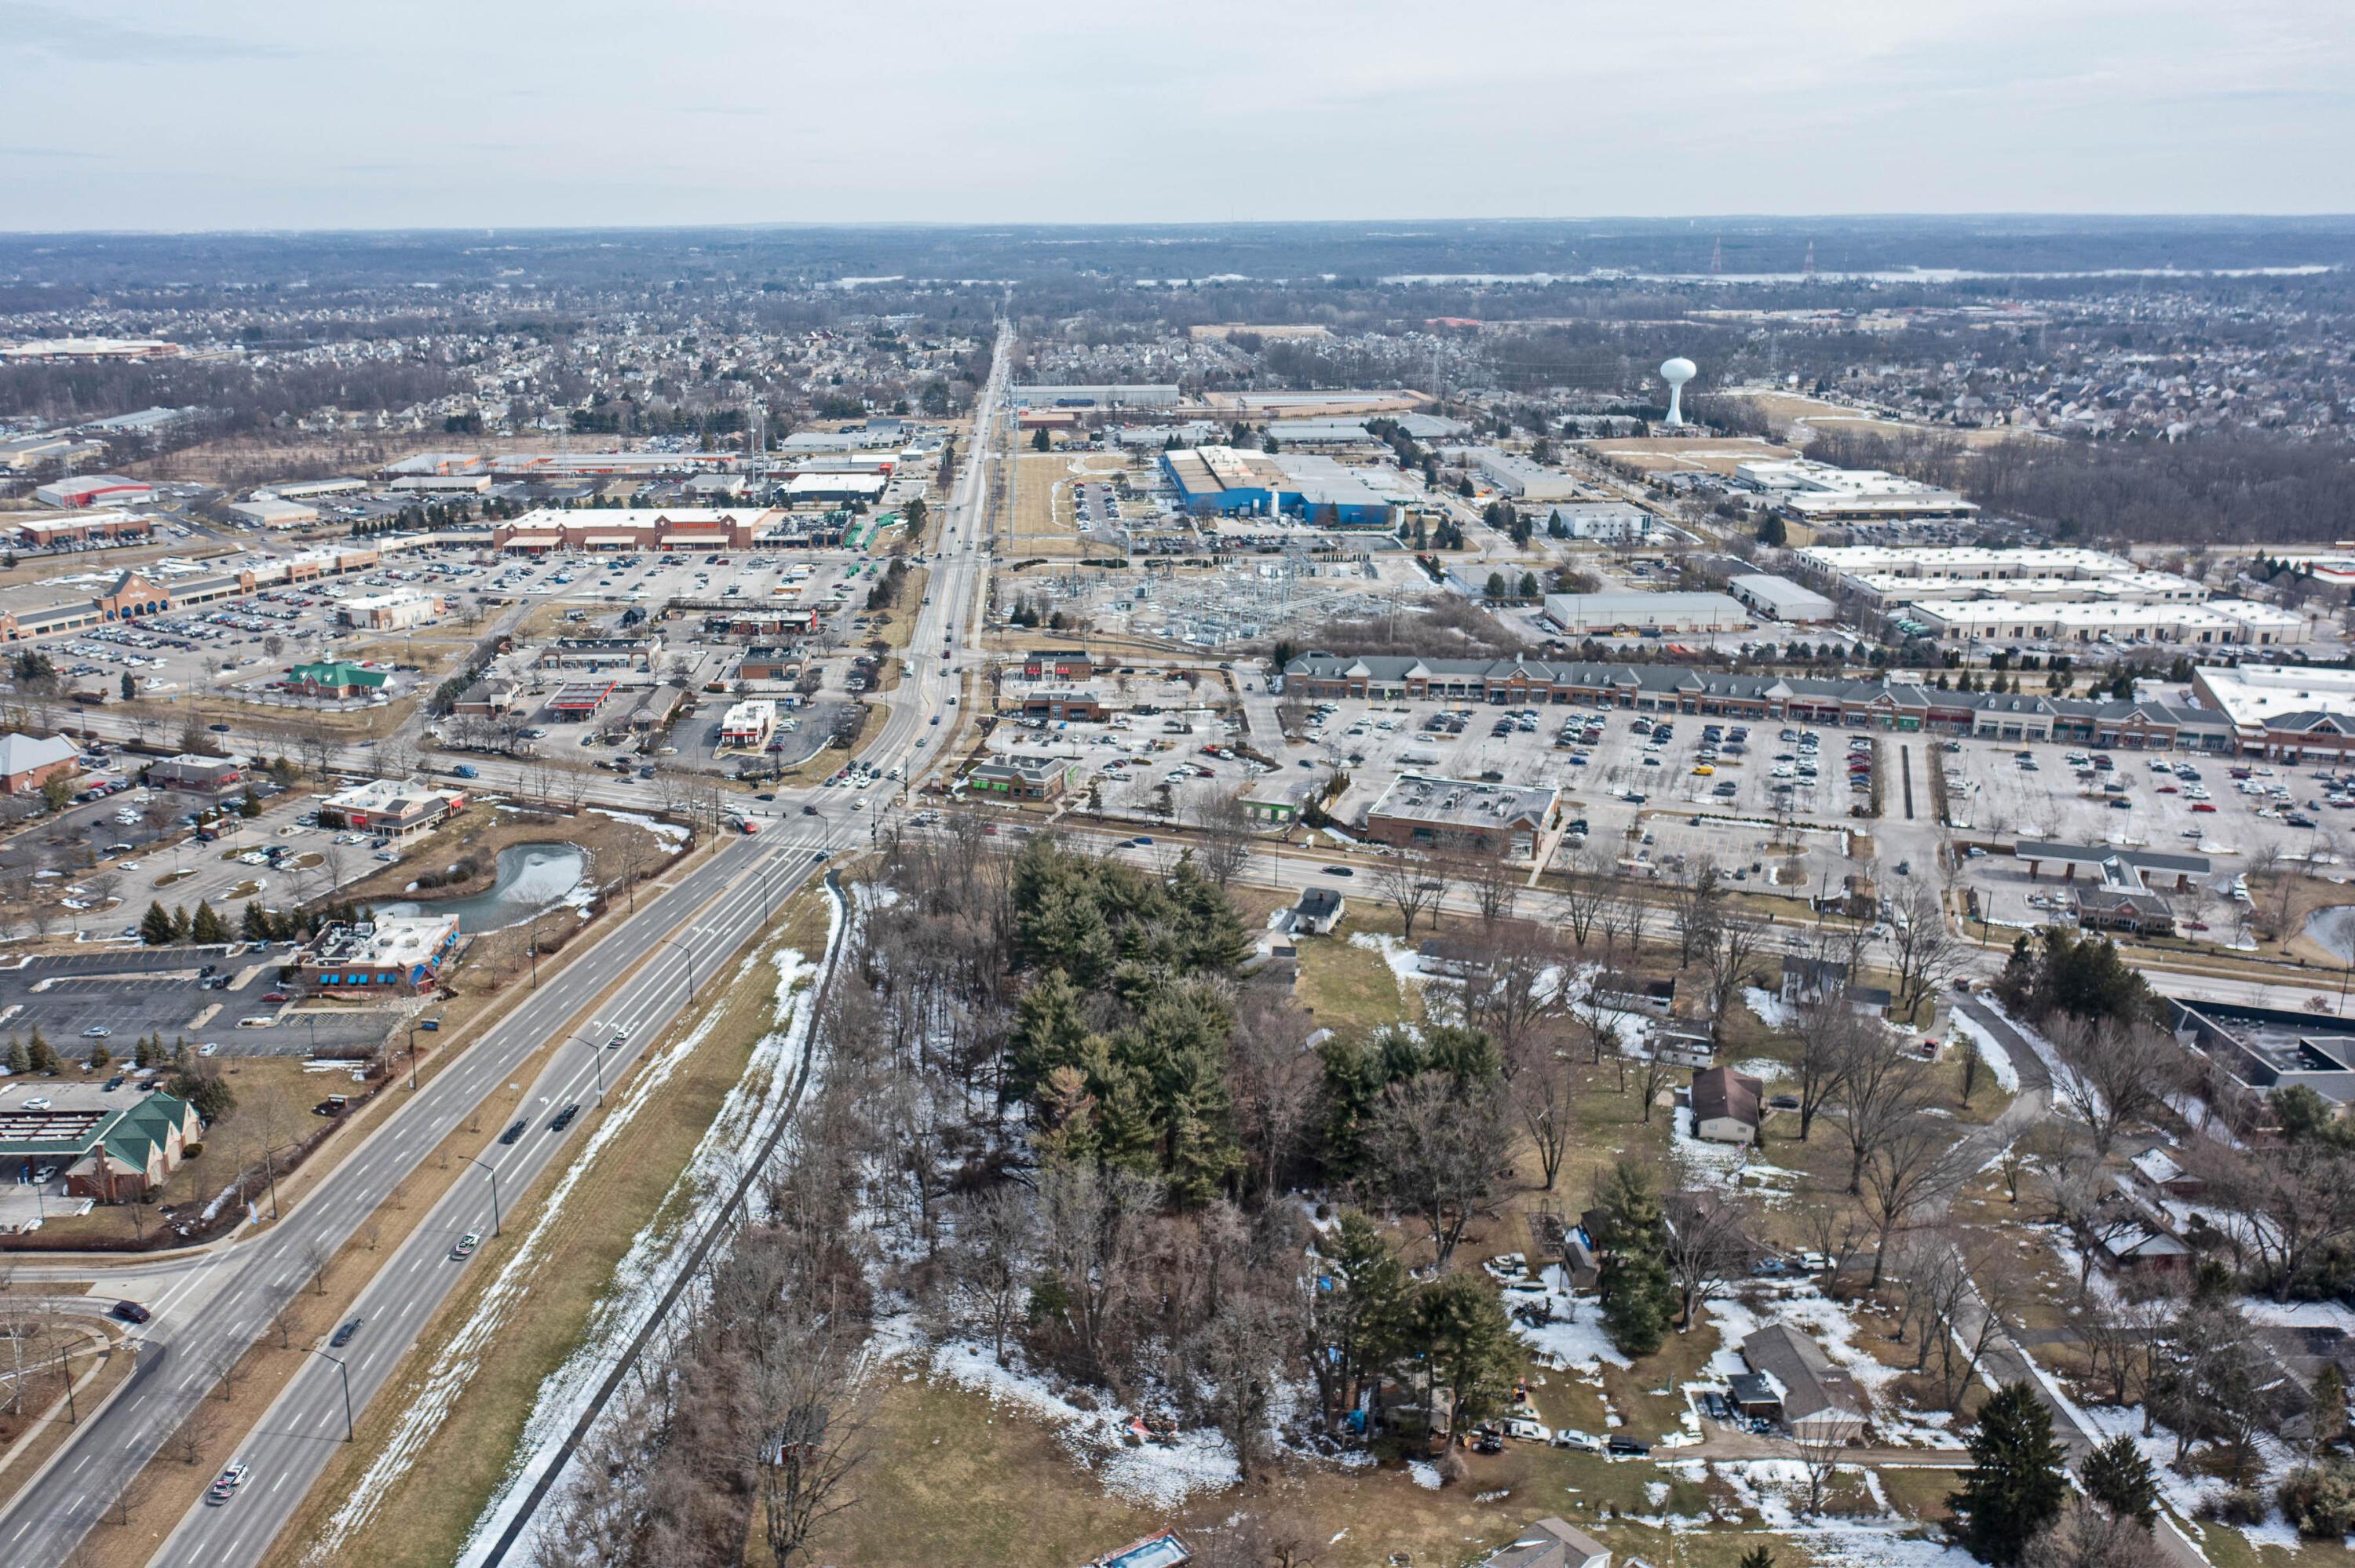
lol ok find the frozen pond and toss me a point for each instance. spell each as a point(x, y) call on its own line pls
point(530, 878)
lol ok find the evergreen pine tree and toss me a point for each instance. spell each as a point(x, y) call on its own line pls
point(20, 1061)
point(44, 1055)
point(1638, 1300)
point(181, 925)
point(101, 1058)
point(2015, 1483)
point(2326, 1421)
point(1468, 1344)
point(2118, 1477)
point(255, 924)
point(1758, 1557)
point(155, 925)
point(206, 927)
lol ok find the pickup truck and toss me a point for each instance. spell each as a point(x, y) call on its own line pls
point(464, 770)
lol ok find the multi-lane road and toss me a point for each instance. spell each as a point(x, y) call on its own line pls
point(216, 1303)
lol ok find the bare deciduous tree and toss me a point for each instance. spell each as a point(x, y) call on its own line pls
point(2118, 1072)
point(1409, 882)
point(1436, 1146)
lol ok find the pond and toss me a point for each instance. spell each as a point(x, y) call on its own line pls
point(530, 878)
point(2334, 929)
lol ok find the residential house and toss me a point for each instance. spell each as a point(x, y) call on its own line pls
point(1820, 1403)
point(1727, 1105)
point(1552, 1543)
point(2163, 1176)
point(1319, 910)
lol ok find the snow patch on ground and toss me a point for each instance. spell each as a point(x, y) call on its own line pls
point(1991, 1051)
point(669, 832)
point(1154, 1475)
point(1574, 1339)
point(1406, 967)
point(745, 1117)
point(1771, 1010)
point(1424, 1473)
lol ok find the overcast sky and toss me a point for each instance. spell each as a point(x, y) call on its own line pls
point(159, 114)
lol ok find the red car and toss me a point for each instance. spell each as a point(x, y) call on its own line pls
point(273, 996)
point(2202, 806)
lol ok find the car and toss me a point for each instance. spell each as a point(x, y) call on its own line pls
point(2203, 805)
point(1529, 1431)
point(96, 1032)
point(1625, 1447)
point(131, 1312)
point(343, 1335)
point(1488, 1440)
point(1338, 870)
point(273, 996)
point(226, 1487)
point(208, 1048)
point(217, 728)
point(1571, 1437)
point(466, 1245)
point(1713, 1405)
point(564, 1117)
point(514, 1132)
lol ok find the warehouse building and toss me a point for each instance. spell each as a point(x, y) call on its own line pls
point(1818, 493)
point(1579, 614)
point(1521, 478)
point(274, 512)
point(1780, 598)
point(2218, 623)
point(1881, 591)
point(1459, 814)
point(1842, 563)
point(1156, 394)
point(95, 489)
point(836, 487)
point(23, 454)
point(1227, 482)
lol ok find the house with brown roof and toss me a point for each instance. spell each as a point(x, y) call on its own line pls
point(1726, 1105)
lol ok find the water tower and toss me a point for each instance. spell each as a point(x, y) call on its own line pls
point(1675, 373)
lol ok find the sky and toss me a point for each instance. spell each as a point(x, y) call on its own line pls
point(243, 115)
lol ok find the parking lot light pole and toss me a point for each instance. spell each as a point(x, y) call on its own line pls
point(493, 1173)
point(346, 1370)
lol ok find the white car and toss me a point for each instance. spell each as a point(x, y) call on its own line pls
point(1569, 1438)
point(1529, 1431)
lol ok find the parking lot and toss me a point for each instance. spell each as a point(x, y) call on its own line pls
point(166, 992)
point(1133, 754)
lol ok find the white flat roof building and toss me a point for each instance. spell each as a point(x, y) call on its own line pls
point(1578, 613)
point(2214, 624)
point(1818, 491)
point(1783, 600)
point(276, 513)
point(2258, 697)
point(1884, 589)
point(1948, 562)
point(1522, 478)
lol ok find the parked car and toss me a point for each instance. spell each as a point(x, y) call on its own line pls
point(1625, 1447)
point(1571, 1437)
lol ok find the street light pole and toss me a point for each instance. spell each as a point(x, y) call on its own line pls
point(346, 1373)
point(689, 948)
point(493, 1172)
point(596, 1060)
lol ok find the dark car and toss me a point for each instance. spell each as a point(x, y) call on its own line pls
point(131, 1312)
point(1714, 1406)
point(344, 1335)
point(512, 1133)
point(1338, 870)
point(1488, 1442)
point(564, 1117)
point(1627, 1449)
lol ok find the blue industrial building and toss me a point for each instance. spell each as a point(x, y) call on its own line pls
point(1225, 482)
